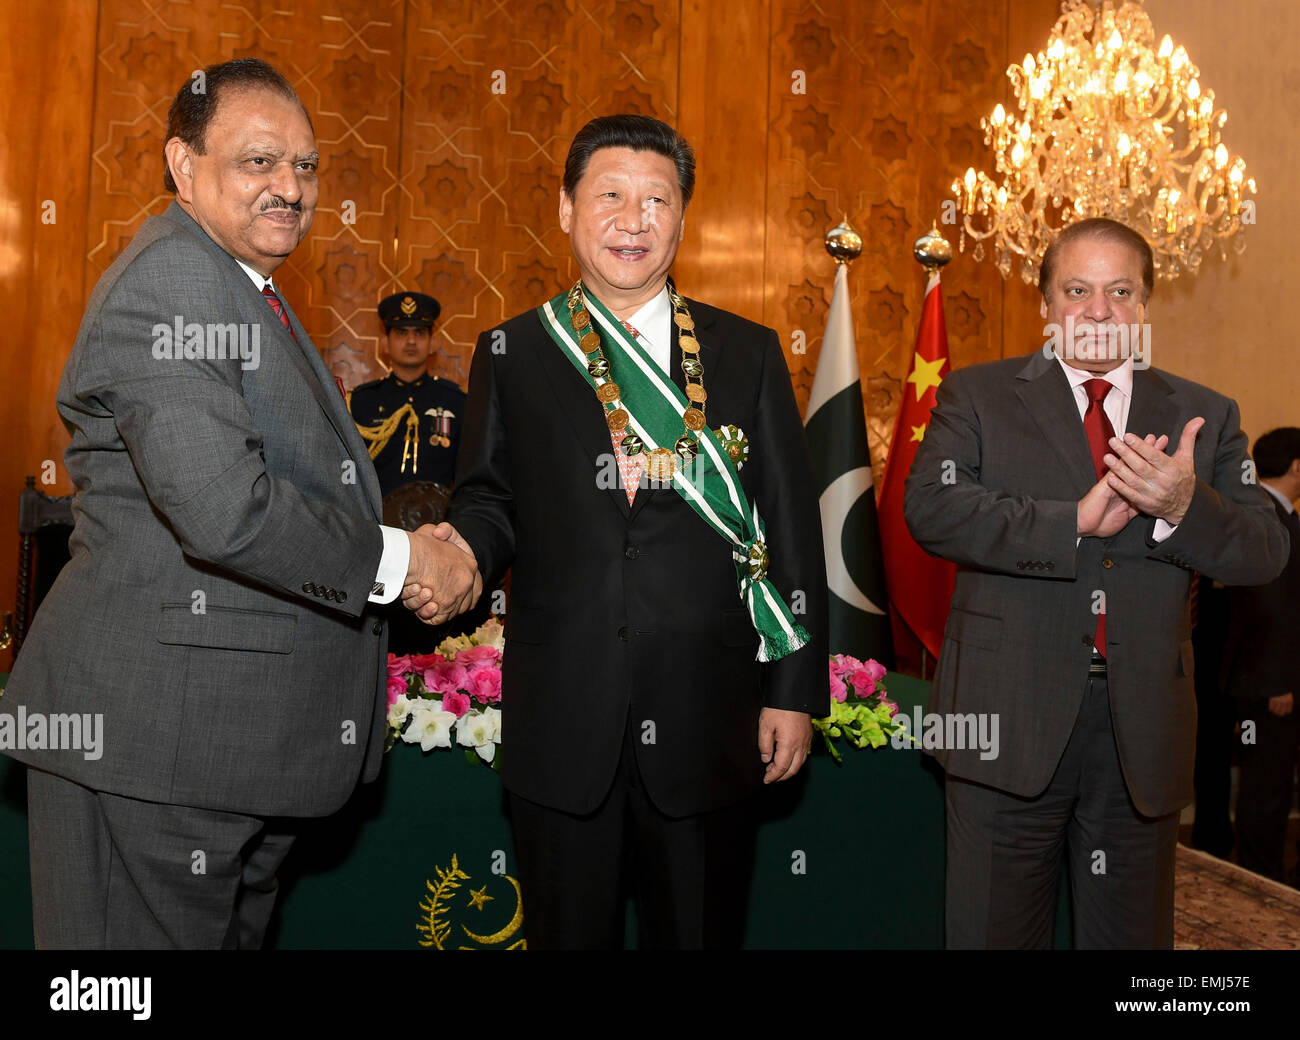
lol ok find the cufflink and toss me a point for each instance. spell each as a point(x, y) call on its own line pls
point(377, 589)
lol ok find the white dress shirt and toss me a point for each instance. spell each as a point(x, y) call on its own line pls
point(396, 557)
point(1287, 504)
point(1116, 405)
point(654, 327)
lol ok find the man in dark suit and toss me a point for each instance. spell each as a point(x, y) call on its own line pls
point(1076, 533)
point(1261, 670)
point(638, 723)
point(217, 623)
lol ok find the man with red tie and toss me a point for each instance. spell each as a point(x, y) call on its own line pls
point(220, 617)
point(1079, 491)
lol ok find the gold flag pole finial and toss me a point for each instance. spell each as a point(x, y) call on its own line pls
point(843, 242)
point(932, 250)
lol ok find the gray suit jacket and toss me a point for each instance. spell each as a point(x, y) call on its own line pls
point(994, 488)
point(215, 610)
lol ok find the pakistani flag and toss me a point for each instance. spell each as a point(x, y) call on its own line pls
point(837, 440)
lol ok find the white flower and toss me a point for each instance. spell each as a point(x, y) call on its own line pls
point(398, 710)
point(430, 726)
point(481, 731)
point(490, 633)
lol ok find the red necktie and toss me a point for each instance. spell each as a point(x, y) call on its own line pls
point(278, 307)
point(629, 466)
point(1096, 425)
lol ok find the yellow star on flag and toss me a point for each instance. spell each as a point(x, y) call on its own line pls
point(479, 898)
point(925, 374)
point(918, 432)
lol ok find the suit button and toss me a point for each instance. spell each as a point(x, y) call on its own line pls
point(1108, 563)
point(378, 629)
point(622, 633)
point(1087, 640)
point(1050, 565)
point(1020, 565)
point(342, 597)
point(631, 552)
point(308, 587)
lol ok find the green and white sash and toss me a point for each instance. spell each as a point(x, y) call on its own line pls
point(709, 484)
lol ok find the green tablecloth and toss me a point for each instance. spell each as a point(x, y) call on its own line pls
point(847, 856)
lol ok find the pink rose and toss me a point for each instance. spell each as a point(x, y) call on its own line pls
point(455, 702)
point(396, 688)
point(485, 685)
point(445, 677)
point(838, 691)
point(398, 665)
point(863, 684)
point(875, 669)
point(478, 657)
point(423, 662)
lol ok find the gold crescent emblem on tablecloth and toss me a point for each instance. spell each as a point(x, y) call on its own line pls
point(436, 909)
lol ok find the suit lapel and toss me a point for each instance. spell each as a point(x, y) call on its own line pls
point(332, 403)
point(1152, 409)
point(1046, 395)
point(577, 402)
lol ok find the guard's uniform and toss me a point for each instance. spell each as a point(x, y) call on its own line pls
point(429, 451)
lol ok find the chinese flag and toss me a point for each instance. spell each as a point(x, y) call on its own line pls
point(920, 585)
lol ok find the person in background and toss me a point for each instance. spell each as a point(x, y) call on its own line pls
point(1261, 672)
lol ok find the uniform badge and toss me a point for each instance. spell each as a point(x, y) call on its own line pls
point(441, 436)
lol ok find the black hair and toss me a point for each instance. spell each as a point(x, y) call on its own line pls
point(1107, 230)
point(1276, 450)
point(641, 134)
point(193, 109)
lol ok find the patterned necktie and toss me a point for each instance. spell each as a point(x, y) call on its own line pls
point(278, 307)
point(630, 467)
point(1096, 425)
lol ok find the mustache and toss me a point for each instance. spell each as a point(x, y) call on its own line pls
point(279, 203)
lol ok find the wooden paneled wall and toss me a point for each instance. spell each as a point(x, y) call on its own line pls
point(443, 128)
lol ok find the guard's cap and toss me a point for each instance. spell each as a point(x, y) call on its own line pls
point(409, 310)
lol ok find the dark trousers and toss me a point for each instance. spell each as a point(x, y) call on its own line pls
point(110, 872)
point(1005, 853)
point(1266, 790)
point(690, 875)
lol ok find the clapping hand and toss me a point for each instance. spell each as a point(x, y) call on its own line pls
point(1103, 511)
point(442, 578)
point(1152, 482)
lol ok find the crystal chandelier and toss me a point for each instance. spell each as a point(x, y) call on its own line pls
point(1111, 125)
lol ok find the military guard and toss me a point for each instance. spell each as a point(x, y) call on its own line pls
point(411, 422)
point(410, 419)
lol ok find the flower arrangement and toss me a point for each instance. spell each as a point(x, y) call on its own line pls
point(860, 709)
point(452, 693)
point(450, 698)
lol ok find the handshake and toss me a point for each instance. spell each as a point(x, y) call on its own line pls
point(442, 578)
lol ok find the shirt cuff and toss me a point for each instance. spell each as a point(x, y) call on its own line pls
point(393, 565)
point(1163, 530)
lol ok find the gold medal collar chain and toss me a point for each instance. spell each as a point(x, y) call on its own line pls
point(660, 463)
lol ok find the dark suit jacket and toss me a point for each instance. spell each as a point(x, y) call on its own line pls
point(1261, 657)
point(227, 537)
point(994, 487)
point(615, 609)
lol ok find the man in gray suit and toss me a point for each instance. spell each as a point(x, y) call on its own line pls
point(217, 628)
point(1077, 533)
